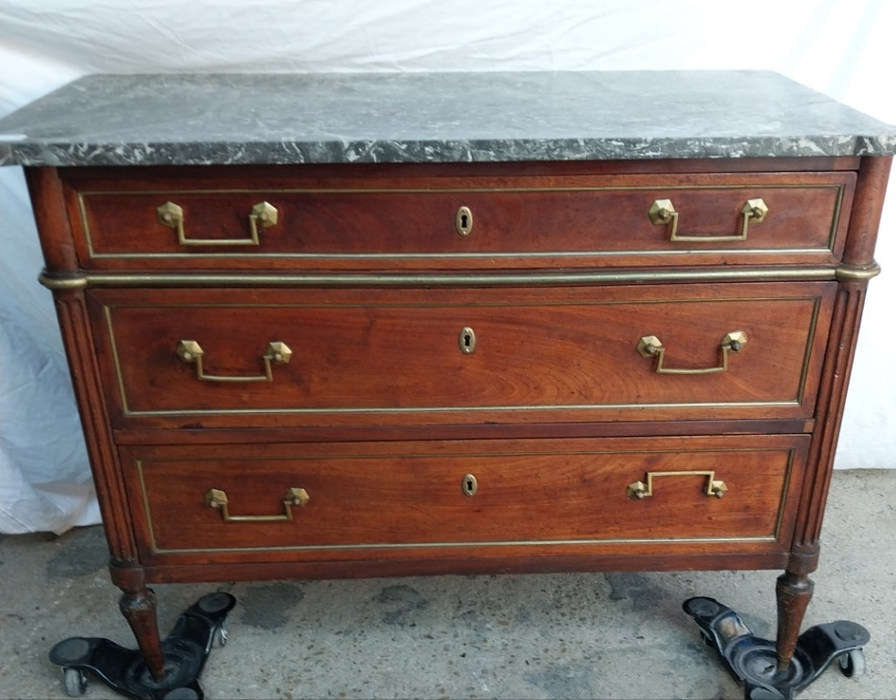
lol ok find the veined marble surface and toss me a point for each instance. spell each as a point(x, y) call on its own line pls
point(202, 119)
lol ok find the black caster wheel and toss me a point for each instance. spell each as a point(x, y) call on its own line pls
point(220, 636)
point(75, 682)
point(852, 664)
point(764, 694)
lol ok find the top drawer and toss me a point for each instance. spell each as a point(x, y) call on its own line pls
point(304, 219)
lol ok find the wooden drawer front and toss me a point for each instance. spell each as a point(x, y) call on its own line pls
point(386, 355)
point(513, 223)
point(361, 499)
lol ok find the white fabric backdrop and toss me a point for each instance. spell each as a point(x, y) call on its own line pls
point(843, 48)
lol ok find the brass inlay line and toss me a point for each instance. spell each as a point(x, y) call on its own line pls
point(437, 255)
point(785, 486)
point(302, 456)
point(138, 463)
point(497, 543)
point(791, 403)
point(85, 225)
point(482, 190)
point(490, 279)
point(807, 354)
point(125, 408)
point(835, 223)
point(462, 190)
point(453, 305)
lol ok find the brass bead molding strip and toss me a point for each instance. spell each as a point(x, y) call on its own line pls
point(849, 273)
point(67, 282)
point(63, 282)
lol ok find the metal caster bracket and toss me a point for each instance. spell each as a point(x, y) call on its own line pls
point(124, 670)
point(753, 661)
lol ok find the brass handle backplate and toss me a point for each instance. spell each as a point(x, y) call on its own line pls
point(277, 353)
point(651, 346)
point(662, 213)
point(216, 498)
point(264, 214)
point(638, 490)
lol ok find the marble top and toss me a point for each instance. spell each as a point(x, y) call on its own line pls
point(205, 119)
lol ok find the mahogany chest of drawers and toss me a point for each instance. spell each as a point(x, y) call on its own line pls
point(316, 357)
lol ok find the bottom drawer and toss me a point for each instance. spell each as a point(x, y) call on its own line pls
point(332, 501)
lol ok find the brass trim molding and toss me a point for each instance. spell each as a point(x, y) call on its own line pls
point(150, 279)
point(82, 280)
point(851, 273)
point(61, 282)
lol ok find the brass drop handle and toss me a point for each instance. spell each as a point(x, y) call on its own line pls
point(651, 346)
point(715, 488)
point(277, 353)
point(662, 213)
point(262, 214)
point(216, 498)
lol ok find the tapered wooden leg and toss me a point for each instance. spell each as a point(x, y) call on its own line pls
point(794, 591)
point(139, 609)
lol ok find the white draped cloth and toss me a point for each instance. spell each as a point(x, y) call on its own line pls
point(843, 48)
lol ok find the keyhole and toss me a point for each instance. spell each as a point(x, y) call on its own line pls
point(463, 221)
point(467, 340)
point(469, 485)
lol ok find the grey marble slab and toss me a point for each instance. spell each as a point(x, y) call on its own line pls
point(433, 117)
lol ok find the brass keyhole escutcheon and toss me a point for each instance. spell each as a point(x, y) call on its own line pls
point(463, 221)
point(469, 485)
point(467, 340)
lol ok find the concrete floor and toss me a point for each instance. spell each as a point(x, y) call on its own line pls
point(536, 636)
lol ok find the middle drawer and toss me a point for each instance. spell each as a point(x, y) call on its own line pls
point(425, 356)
